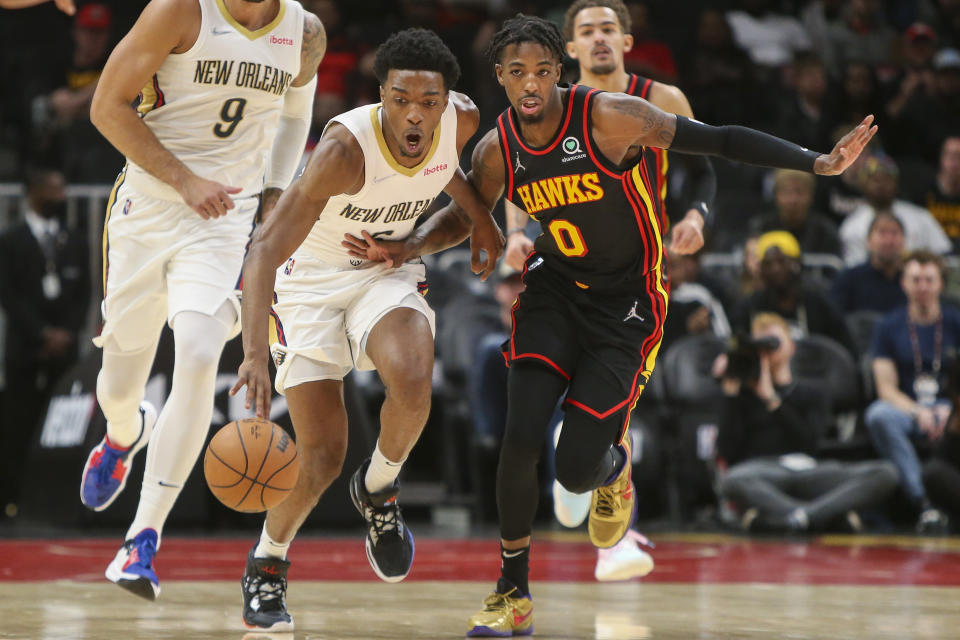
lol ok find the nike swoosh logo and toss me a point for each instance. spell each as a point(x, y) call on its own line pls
point(167, 484)
point(518, 620)
point(381, 179)
point(221, 32)
point(512, 555)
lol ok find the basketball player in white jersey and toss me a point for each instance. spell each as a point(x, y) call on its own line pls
point(375, 170)
point(225, 95)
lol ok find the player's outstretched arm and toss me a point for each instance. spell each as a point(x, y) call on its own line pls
point(335, 167)
point(297, 114)
point(624, 120)
point(66, 6)
point(486, 235)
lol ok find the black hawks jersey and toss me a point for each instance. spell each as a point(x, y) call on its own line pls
point(656, 159)
point(600, 223)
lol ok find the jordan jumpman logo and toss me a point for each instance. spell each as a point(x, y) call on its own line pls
point(633, 312)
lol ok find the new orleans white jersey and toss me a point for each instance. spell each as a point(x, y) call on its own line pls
point(217, 106)
point(392, 196)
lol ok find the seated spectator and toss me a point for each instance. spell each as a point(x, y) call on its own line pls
point(803, 115)
point(913, 348)
point(917, 75)
point(768, 433)
point(785, 292)
point(927, 119)
point(45, 293)
point(62, 117)
point(696, 301)
point(718, 73)
point(750, 281)
point(875, 284)
point(816, 18)
point(942, 196)
point(880, 185)
point(944, 16)
point(770, 38)
point(793, 195)
point(861, 34)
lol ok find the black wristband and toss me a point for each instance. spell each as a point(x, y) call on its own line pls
point(741, 144)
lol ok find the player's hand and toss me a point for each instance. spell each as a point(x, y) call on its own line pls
point(254, 373)
point(66, 6)
point(847, 149)
point(208, 198)
point(393, 253)
point(487, 237)
point(518, 248)
point(687, 235)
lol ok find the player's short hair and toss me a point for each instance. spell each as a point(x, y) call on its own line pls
point(522, 28)
point(617, 6)
point(416, 50)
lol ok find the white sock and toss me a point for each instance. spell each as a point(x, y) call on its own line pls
point(156, 501)
point(270, 548)
point(382, 472)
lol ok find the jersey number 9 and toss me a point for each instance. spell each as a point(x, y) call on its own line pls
point(231, 114)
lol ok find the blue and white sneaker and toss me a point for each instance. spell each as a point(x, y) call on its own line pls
point(132, 568)
point(108, 467)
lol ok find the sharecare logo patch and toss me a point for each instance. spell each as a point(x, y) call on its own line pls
point(440, 167)
point(283, 41)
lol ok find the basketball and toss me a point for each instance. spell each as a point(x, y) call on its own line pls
point(251, 465)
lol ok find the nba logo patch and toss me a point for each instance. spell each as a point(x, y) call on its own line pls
point(289, 268)
point(127, 206)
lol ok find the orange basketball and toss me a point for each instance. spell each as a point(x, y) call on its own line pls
point(251, 465)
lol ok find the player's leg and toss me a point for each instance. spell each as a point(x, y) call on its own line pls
point(400, 345)
point(320, 422)
point(134, 307)
point(176, 443)
point(532, 394)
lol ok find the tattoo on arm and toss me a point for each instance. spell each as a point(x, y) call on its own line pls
point(658, 127)
point(314, 46)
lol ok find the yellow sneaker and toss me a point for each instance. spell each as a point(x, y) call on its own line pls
point(503, 614)
point(611, 507)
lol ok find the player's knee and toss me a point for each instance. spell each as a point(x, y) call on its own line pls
point(198, 352)
point(576, 477)
point(113, 391)
point(412, 389)
point(320, 466)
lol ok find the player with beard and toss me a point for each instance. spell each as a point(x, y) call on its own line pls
point(224, 90)
point(598, 35)
point(590, 321)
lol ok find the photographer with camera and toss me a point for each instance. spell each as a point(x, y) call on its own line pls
point(768, 434)
point(913, 348)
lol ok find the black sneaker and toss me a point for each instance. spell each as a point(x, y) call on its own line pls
point(390, 545)
point(265, 594)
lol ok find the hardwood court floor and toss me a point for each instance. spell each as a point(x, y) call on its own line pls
point(704, 588)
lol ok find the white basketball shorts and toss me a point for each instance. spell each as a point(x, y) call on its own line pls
point(322, 315)
point(161, 258)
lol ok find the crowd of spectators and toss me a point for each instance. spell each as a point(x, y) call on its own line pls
point(826, 256)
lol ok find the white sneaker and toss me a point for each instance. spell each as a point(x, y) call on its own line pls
point(570, 508)
point(624, 560)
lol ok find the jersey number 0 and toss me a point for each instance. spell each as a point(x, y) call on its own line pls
point(568, 238)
